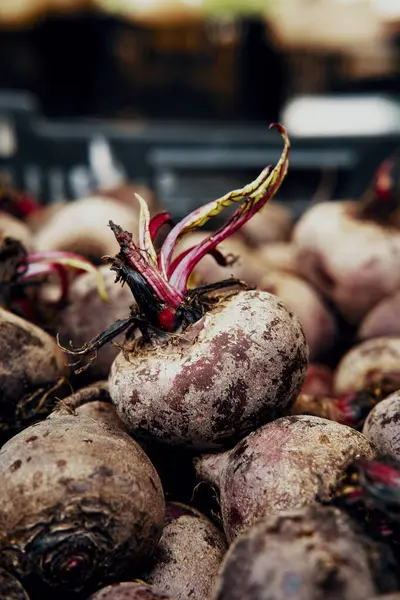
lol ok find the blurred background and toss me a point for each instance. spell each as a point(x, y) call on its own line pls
point(178, 94)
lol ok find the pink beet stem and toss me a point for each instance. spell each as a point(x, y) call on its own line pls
point(163, 218)
point(215, 253)
point(38, 269)
point(34, 257)
point(251, 205)
point(203, 214)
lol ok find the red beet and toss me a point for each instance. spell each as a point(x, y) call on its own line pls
point(373, 362)
point(81, 505)
point(311, 553)
point(188, 556)
point(286, 464)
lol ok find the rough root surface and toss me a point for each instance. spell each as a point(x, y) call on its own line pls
point(284, 465)
point(240, 366)
point(80, 502)
point(188, 558)
point(382, 426)
point(307, 554)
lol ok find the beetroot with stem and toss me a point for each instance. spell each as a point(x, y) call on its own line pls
point(285, 464)
point(350, 251)
point(210, 366)
point(81, 504)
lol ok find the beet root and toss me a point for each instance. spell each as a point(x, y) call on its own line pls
point(31, 365)
point(11, 588)
point(129, 590)
point(373, 362)
point(312, 553)
point(240, 365)
point(188, 555)
point(356, 280)
point(382, 426)
point(291, 462)
point(81, 503)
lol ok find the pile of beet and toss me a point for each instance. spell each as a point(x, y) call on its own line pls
point(198, 414)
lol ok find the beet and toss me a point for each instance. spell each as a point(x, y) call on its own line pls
point(350, 251)
point(93, 401)
point(31, 366)
point(239, 366)
point(382, 320)
point(187, 559)
point(79, 227)
point(209, 365)
point(291, 462)
point(311, 553)
point(373, 362)
point(11, 588)
point(280, 256)
point(382, 426)
point(81, 504)
point(129, 591)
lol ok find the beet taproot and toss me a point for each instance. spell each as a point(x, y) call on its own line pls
point(240, 365)
point(32, 367)
point(81, 504)
point(129, 590)
point(291, 462)
point(382, 426)
point(188, 556)
point(311, 553)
